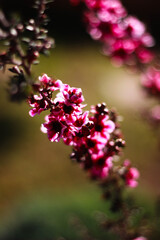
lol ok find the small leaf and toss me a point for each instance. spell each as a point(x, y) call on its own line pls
point(13, 32)
point(26, 40)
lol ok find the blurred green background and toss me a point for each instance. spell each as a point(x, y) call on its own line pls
point(41, 190)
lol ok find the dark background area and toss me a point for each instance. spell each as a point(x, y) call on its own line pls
point(67, 21)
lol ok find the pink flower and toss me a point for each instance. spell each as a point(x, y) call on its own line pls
point(127, 163)
point(45, 79)
point(144, 55)
point(134, 27)
point(80, 120)
point(54, 129)
point(70, 95)
point(38, 104)
point(121, 51)
point(57, 85)
point(147, 40)
point(108, 165)
point(140, 238)
point(131, 177)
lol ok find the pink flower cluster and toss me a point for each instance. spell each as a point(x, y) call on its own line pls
point(124, 37)
point(66, 116)
point(151, 82)
point(95, 135)
point(95, 151)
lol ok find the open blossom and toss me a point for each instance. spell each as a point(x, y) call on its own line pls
point(94, 135)
point(134, 27)
point(38, 104)
point(54, 127)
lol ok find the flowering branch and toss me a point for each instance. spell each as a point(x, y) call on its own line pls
point(95, 137)
point(24, 44)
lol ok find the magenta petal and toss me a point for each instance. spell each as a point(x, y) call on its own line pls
point(132, 183)
point(44, 79)
point(134, 172)
point(110, 126)
point(43, 128)
point(32, 112)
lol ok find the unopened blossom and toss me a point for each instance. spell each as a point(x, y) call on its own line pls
point(131, 174)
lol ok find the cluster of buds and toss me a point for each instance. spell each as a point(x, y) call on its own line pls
point(24, 44)
point(10, 31)
point(39, 42)
point(13, 33)
point(95, 135)
point(124, 37)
